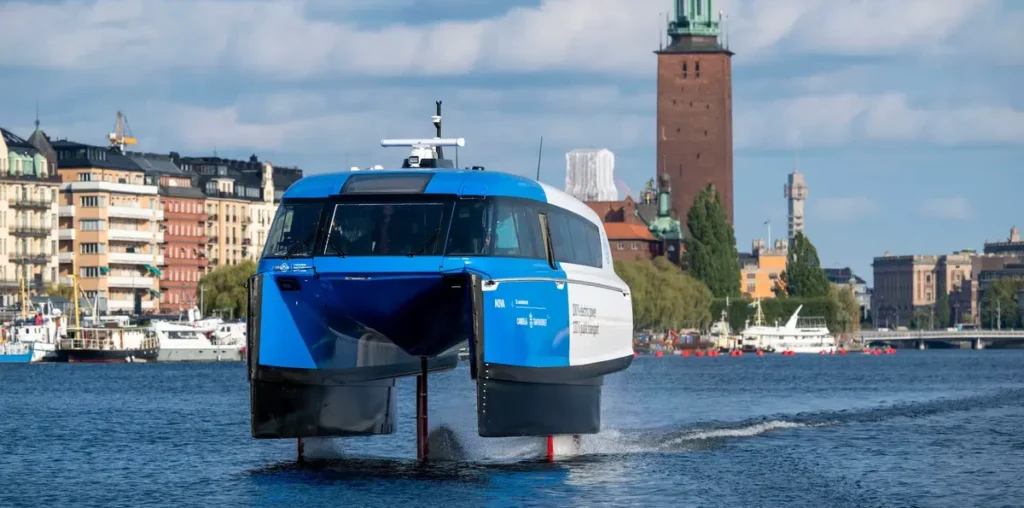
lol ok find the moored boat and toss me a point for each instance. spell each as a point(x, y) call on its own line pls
point(183, 343)
point(798, 335)
point(15, 352)
point(108, 345)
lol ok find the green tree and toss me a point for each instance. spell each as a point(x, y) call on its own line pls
point(999, 305)
point(942, 318)
point(803, 276)
point(61, 290)
point(224, 288)
point(711, 255)
point(664, 297)
point(848, 313)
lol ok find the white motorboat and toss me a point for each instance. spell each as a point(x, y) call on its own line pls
point(184, 343)
point(798, 335)
point(230, 333)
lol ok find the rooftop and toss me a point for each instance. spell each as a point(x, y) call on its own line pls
point(75, 155)
point(842, 276)
point(626, 231)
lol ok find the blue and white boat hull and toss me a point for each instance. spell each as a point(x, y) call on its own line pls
point(16, 352)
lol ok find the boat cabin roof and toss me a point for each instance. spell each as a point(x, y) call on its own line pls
point(456, 182)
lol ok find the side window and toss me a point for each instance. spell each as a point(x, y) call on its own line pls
point(575, 240)
point(497, 227)
point(471, 224)
point(517, 230)
point(561, 240)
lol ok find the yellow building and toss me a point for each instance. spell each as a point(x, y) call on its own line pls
point(761, 270)
point(110, 228)
point(28, 216)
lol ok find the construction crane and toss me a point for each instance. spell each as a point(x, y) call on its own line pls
point(118, 139)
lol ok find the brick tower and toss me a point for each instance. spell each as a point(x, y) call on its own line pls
point(695, 107)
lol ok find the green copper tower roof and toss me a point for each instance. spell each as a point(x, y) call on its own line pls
point(695, 17)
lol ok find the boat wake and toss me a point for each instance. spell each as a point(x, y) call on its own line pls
point(450, 443)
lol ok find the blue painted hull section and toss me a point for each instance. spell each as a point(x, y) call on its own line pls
point(17, 358)
point(338, 323)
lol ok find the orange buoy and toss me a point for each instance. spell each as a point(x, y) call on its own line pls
point(760, 353)
point(659, 354)
point(842, 351)
point(686, 354)
point(699, 353)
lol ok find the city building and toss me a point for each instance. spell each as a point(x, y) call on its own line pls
point(1011, 246)
point(29, 189)
point(590, 175)
point(906, 286)
point(110, 228)
point(796, 195)
point(183, 230)
point(665, 234)
point(241, 200)
point(629, 242)
point(844, 277)
point(694, 107)
point(761, 270)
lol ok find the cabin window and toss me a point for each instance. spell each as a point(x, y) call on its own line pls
point(496, 227)
point(386, 229)
point(293, 232)
point(575, 239)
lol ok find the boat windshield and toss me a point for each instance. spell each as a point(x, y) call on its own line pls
point(293, 232)
point(386, 229)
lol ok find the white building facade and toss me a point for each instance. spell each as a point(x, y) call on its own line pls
point(590, 175)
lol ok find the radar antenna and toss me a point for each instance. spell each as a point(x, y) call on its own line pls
point(427, 153)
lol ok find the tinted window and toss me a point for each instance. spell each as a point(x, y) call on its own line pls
point(293, 231)
point(386, 229)
point(574, 239)
point(496, 227)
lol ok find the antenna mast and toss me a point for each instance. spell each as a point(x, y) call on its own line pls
point(540, 151)
point(437, 125)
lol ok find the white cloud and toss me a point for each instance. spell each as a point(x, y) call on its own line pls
point(946, 208)
point(287, 40)
point(843, 209)
point(837, 119)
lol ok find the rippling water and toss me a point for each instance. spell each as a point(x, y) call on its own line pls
point(933, 428)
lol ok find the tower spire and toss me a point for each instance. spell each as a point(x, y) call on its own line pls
point(37, 114)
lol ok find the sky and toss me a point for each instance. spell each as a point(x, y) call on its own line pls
point(906, 117)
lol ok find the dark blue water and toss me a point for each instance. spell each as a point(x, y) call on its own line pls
point(933, 428)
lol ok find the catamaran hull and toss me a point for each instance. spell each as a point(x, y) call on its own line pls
point(330, 372)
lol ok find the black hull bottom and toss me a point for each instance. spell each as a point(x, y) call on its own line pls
point(105, 355)
point(292, 403)
point(512, 408)
point(514, 401)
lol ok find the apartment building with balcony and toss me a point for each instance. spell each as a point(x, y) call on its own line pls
point(241, 200)
point(110, 227)
point(29, 190)
point(183, 230)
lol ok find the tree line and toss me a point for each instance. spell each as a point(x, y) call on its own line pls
point(693, 296)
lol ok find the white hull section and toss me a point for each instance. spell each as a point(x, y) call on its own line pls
point(207, 354)
point(44, 352)
point(600, 318)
